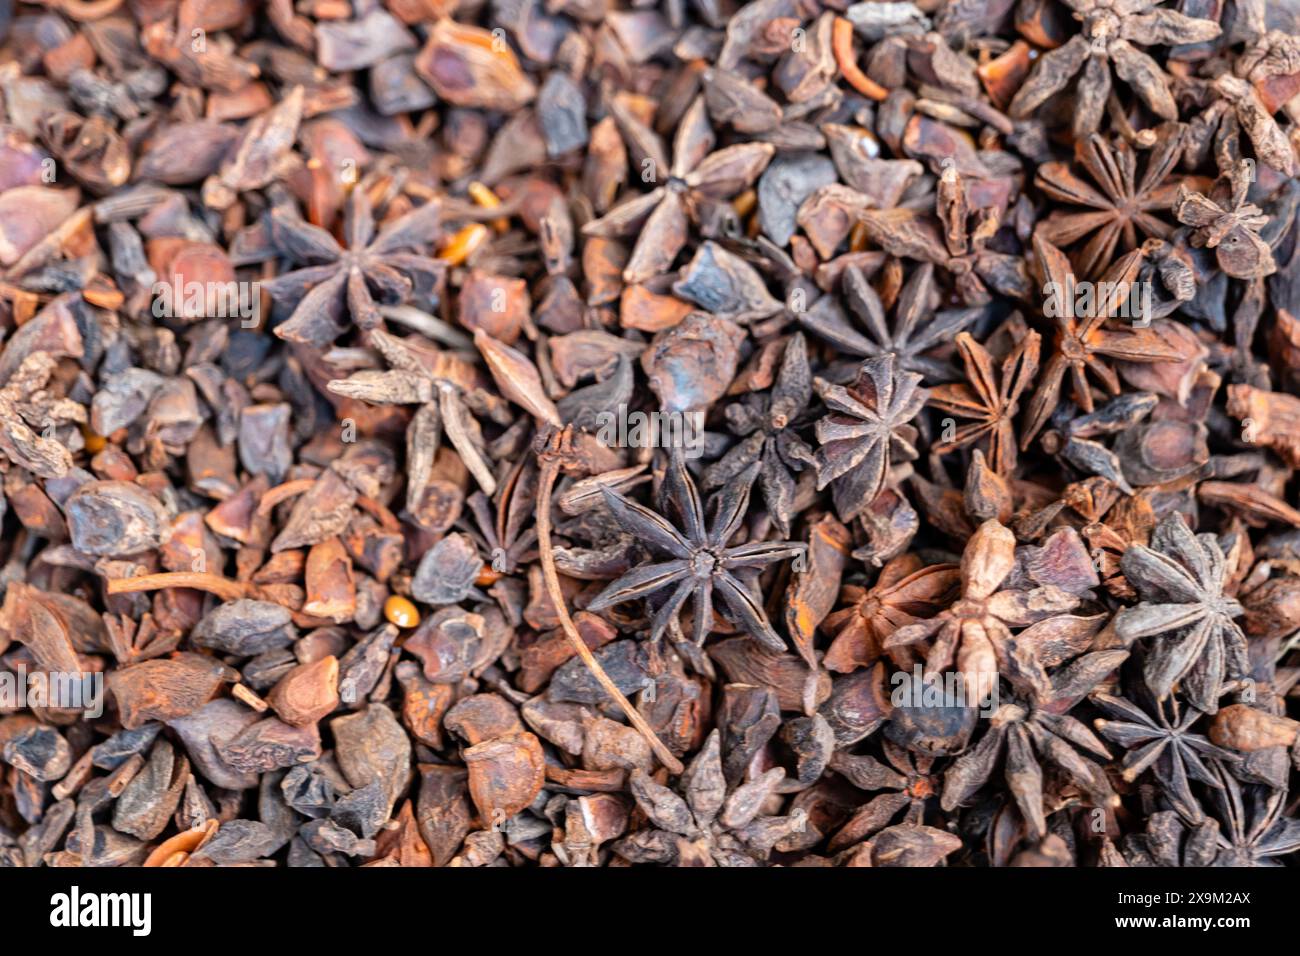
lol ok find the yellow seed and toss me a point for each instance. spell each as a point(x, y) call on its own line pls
point(95, 443)
point(401, 612)
point(744, 203)
point(463, 244)
point(858, 237)
point(488, 200)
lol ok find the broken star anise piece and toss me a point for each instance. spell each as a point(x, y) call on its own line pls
point(699, 563)
point(1225, 222)
point(764, 421)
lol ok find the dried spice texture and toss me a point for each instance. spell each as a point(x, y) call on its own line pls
point(646, 433)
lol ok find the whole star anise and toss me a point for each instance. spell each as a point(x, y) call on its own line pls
point(867, 430)
point(371, 270)
point(1198, 645)
point(444, 388)
point(975, 631)
point(916, 329)
point(1165, 744)
point(1118, 204)
point(1035, 728)
point(1083, 342)
point(909, 782)
point(700, 562)
point(698, 175)
point(709, 823)
point(989, 399)
point(906, 591)
point(1111, 28)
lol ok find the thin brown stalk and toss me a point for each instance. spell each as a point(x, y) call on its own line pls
point(223, 588)
point(550, 468)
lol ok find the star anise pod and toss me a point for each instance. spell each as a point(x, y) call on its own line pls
point(507, 539)
point(1225, 222)
point(989, 399)
point(764, 421)
point(1180, 579)
point(1030, 731)
point(906, 591)
point(698, 176)
point(1261, 81)
point(1083, 343)
point(339, 282)
point(916, 328)
point(1253, 829)
point(1111, 28)
point(867, 430)
point(975, 631)
point(1168, 841)
point(709, 823)
point(909, 782)
point(1118, 204)
point(444, 387)
point(700, 562)
point(955, 236)
point(1163, 742)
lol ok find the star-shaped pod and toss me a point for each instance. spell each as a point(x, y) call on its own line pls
point(338, 282)
point(1197, 644)
point(700, 564)
point(698, 175)
point(867, 430)
point(1111, 28)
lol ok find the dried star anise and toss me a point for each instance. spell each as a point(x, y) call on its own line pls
point(710, 824)
point(765, 423)
point(444, 388)
point(1225, 222)
point(989, 399)
point(1118, 205)
point(1083, 342)
point(867, 430)
point(700, 561)
point(1253, 829)
point(698, 176)
point(916, 329)
point(1180, 579)
point(1165, 744)
point(371, 270)
point(910, 781)
point(1036, 729)
point(955, 236)
point(1104, 41)
point(906, 591)
point(975, 631)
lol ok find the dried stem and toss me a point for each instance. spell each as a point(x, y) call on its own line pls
point(223, 588)
point(550, 468)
